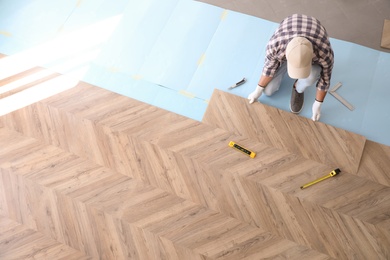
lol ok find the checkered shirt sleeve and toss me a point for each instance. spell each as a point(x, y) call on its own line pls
point(300, 26)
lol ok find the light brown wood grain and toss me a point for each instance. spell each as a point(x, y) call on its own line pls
point(375, 163)
point(19, 242)
point(107, 215)
point(385, 40)
point(112, 177)
point(313, 140)
point(24, 80)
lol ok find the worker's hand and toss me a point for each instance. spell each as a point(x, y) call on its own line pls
point(255, 95)
point(316, 110)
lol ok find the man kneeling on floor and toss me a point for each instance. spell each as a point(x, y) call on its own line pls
point(301, 47)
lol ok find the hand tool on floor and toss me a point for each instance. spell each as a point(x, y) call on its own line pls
point(340, 98)
point(237, 84)
point(331, 174)
point(238, 147)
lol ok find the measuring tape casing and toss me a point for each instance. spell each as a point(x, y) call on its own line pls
point(242, 149)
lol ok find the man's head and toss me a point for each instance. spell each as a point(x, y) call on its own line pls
point(299, 55)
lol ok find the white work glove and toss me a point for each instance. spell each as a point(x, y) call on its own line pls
point(255, 95)
point(316, 110)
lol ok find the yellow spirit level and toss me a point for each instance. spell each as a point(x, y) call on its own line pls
point(242, 149)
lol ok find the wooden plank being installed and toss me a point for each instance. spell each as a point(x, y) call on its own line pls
point(313, 140)
point(385, 41)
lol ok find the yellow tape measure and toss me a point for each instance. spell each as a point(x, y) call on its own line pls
point(331, 174)
point(238, 147)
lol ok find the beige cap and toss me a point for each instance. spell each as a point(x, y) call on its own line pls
point(299, 55)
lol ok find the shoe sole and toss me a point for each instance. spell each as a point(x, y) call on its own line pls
point(297, 111)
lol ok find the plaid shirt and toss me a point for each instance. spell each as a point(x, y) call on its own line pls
point(311, 29)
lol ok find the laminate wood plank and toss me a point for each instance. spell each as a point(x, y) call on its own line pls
point(375, 163)
point(113, 216)
point(24, 80)
point(297, 185)
point(19, 242)
point(385, 40)
point(313, 140)
point(222, 157)
point(346, 194)
point(149, 182)
point(151, 158)
point(278, 205)
point(306, 222)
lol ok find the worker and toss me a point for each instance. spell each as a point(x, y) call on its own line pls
point(300, 46)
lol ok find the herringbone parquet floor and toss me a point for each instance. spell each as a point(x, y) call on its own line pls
point(90, 174)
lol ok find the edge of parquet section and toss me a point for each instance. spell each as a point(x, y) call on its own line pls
point(313, 140)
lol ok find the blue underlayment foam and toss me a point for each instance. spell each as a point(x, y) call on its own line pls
point(174, 53)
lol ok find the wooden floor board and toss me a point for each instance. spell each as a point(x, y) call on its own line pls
point(385, 40)
point(19, 242)
point(313, 140)
point(375, 163)
point(83, 211)
point(24, 80)
point(113, 177)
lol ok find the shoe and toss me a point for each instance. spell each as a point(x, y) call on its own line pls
point(296, 103)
